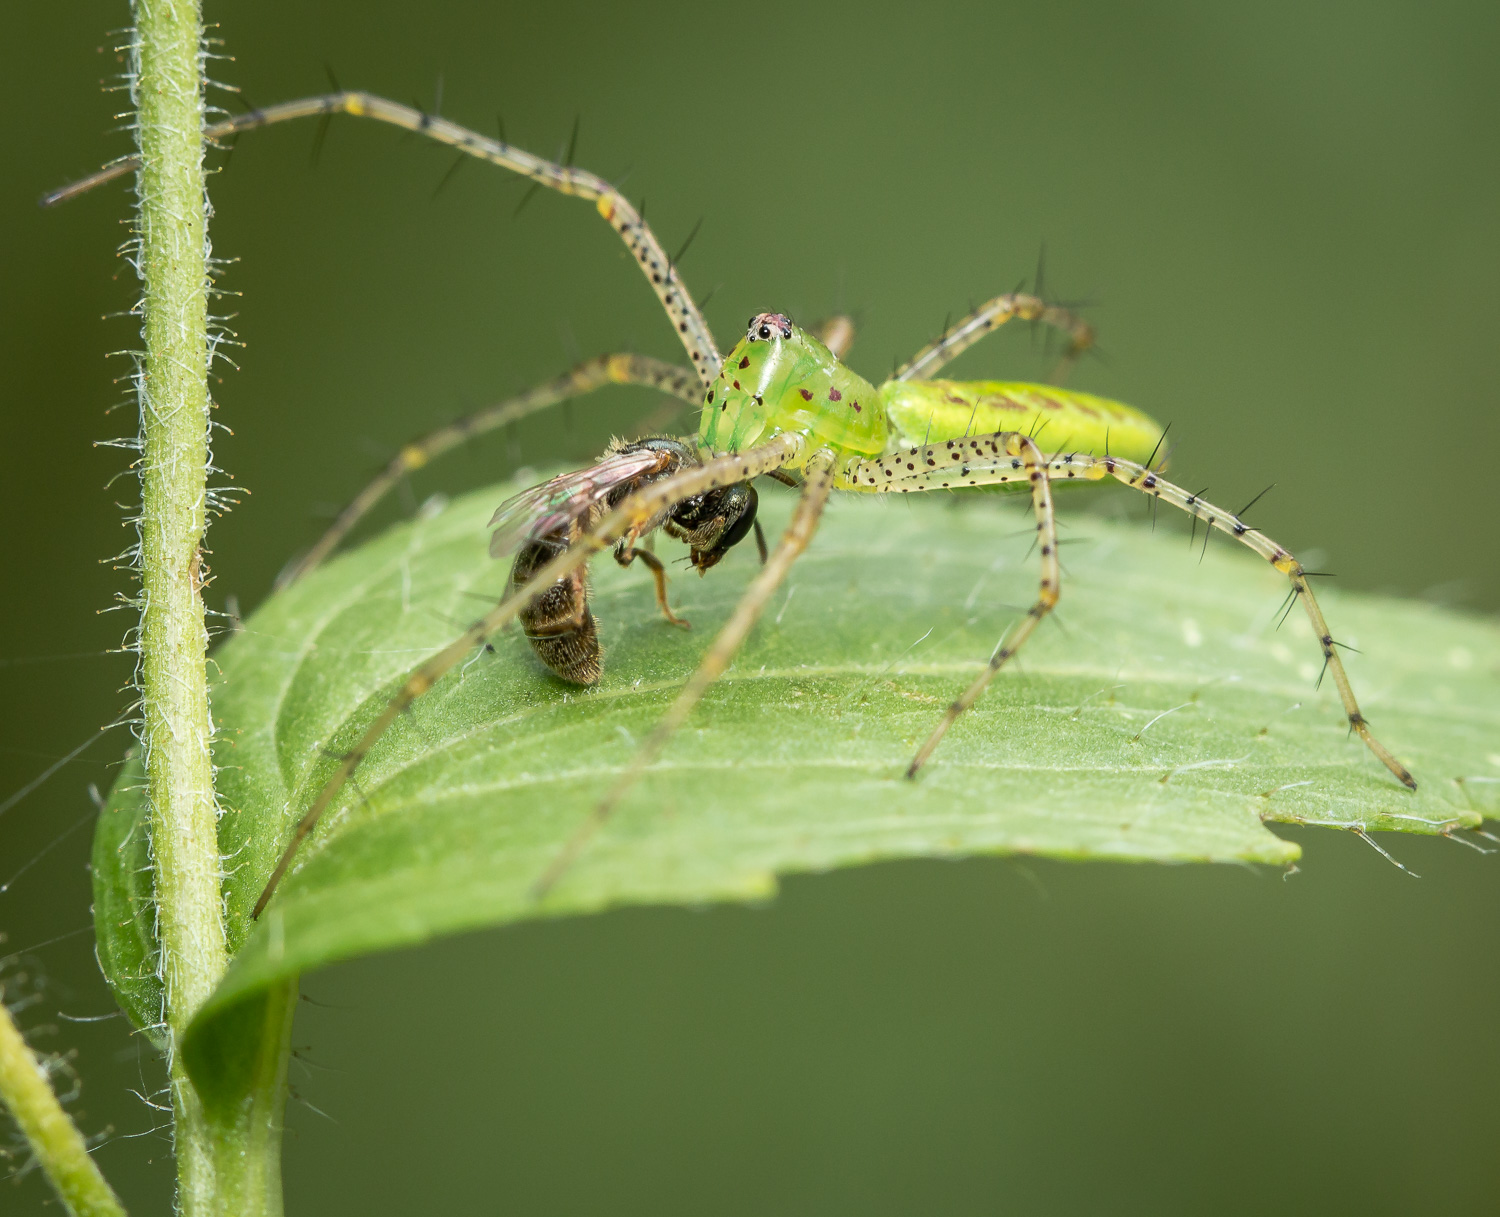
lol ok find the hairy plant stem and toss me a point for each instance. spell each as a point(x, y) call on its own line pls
point(26, 1092)
point(221, 1164)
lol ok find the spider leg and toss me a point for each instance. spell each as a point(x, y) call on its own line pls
point(585, 378)
point(975, 461)
point(622, 369)
point(633, 512)
point(836, 333)
point(991, 316)
point(1147, 481)
point(1033, 465)
point(986, 460)
point(578, 578)
point(799, 532)
point(687, 319)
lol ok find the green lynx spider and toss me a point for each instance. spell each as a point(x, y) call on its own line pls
point(782, 402)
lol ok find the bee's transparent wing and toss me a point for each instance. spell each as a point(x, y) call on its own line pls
point(549, 508)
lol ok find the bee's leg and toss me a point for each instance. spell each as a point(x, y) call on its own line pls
point(658, 572)
point(760, 542)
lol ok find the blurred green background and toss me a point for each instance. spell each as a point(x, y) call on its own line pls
point(1285, 215)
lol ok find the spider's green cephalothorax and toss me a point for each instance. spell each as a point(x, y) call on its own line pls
point(780, 378)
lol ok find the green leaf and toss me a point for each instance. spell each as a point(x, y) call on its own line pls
point(125, 903)
point(1163, 717)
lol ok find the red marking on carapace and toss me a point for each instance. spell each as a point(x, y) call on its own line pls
point(835, 395)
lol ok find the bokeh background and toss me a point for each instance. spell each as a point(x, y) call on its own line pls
point(1284, 215)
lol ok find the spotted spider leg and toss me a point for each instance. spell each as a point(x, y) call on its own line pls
point(588, 376)
point(687, 319)
point(979, 460)
point(1147, 481)
point(632, 514)
point(989, 317)
point(837, 334)
point(817, 483)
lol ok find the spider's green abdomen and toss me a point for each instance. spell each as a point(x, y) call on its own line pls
point(932, 411)
point(780, 378)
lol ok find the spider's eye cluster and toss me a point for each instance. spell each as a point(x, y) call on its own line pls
point(765, 325)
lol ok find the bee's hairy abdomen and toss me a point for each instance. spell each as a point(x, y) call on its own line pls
point(558, 624)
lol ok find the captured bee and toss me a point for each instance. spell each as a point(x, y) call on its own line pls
point(540, 523)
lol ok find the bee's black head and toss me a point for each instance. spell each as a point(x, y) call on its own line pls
point(713, 523)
